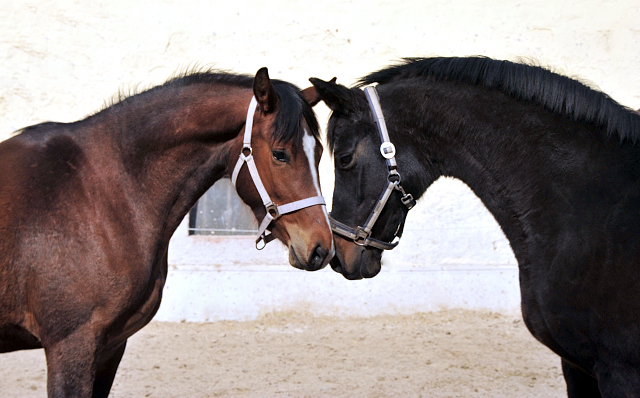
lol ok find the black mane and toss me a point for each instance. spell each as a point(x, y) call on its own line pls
point(556, 93)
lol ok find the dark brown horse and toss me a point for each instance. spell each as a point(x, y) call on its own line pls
point(87, 210)
point(555, 162)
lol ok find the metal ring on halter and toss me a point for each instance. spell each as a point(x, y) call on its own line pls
point(261, 244)
point(272, 209)
point(394, 177)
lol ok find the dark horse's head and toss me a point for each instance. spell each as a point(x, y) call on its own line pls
point(286, 150)
point(360, 178)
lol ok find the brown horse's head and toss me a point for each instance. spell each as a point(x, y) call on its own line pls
point(286, 149)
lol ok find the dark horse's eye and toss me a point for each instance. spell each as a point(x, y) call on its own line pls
point(345, 160)
point(280, 155)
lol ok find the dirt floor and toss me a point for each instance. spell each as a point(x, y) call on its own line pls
point(451, 353)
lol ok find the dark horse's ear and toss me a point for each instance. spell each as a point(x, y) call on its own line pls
point(311, 95)
point(336, 96)
point(264, 92)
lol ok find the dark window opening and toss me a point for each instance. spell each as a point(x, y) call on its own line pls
point(220, 211)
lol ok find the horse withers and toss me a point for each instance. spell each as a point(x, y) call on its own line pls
point(87, 210)
point(556, 163)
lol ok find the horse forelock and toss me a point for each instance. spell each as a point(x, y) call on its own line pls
point(523, 81)
point(293, 111)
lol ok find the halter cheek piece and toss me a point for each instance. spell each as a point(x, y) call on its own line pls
point(274, 211)
point(362, 235)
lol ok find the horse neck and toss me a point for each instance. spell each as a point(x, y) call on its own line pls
point(539, 174)
point(173, 147)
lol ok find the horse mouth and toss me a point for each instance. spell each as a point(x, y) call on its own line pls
point(365, 257)
point(337, 266)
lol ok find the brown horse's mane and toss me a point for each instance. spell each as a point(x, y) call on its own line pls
point(287, 128)
point(184, 77)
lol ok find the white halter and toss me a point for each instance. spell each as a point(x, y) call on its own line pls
point(273, 211)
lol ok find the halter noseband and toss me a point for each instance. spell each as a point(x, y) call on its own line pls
point(273, 210)
point(362, 235)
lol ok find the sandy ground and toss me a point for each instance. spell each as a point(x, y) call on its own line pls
point(452, 353)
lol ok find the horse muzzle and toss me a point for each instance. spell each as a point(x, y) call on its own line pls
point(317, 259)
point(354, 261)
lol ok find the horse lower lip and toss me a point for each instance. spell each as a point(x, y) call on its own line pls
point(353, 277)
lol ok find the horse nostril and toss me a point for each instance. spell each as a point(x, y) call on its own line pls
point(316, 260)
point(336, 265)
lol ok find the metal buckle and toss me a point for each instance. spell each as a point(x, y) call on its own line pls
point(408, 201)
point(361, 237)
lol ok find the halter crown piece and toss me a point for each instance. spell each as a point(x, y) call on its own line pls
point(274, 211)
point(362, 235)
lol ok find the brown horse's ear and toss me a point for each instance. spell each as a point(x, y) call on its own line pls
point(264, 92)
point(337, 97)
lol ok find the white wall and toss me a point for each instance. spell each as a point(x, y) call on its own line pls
point(61, 60)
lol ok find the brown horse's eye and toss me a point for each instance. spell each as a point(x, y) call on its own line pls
point(280, 155)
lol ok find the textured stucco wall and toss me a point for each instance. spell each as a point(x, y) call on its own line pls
point(61, 60)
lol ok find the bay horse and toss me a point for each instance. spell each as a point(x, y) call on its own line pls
point(87, 210)
point(557, 164)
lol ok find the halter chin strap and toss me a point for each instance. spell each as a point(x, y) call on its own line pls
point(273, 210)
point(362, 235)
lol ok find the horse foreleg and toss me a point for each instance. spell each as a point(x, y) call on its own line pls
point(618, 380)
point(579, 384)
point(71, 366)
point(107, 372)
